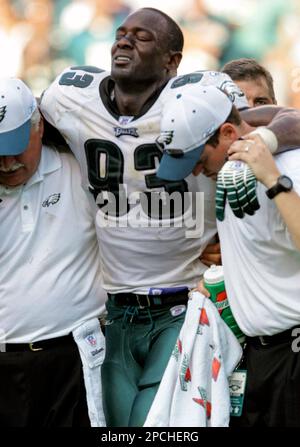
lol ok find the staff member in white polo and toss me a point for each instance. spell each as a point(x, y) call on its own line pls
point(260, 252)
point(50, 290)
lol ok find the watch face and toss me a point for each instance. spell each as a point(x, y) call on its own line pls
point(285, 182)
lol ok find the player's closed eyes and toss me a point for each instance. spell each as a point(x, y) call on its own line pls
point(119, 36)
point(140, 35)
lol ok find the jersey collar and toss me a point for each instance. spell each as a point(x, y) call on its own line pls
point(105, 90)
point(49, 162)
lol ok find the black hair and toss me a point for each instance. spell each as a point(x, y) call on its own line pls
point(173, 39)
point(233, 118)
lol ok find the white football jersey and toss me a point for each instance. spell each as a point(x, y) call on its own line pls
point(118, 156)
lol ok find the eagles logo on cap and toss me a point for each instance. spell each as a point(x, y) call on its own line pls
point(17, 105)
point(2, 113)
point(166, 136)
point(193, 116)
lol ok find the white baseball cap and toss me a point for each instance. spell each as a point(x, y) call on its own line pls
point(17, 105)
point(189, 119)
point(224, 82)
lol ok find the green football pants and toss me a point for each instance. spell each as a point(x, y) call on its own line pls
point(139, 343)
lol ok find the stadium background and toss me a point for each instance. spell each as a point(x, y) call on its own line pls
point(41, 37)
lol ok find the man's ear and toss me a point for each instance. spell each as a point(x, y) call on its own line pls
point(228, 132)
point(173, 62)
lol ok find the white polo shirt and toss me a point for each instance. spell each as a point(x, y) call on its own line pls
point(49, 259)
point(261, 262)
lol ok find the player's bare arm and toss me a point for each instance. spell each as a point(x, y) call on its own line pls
point(260, 116)
point(52, 137)
point(211, 255)
point(283, 121)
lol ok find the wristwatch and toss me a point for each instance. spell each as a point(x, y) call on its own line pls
point(283, 184)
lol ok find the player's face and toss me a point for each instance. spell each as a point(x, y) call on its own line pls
point(256, 91)
point(211, 161)
point(17, 170)
point(138, 53)
point(213, 157)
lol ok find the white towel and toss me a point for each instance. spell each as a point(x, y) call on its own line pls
point(91, 345)
point(194, 391)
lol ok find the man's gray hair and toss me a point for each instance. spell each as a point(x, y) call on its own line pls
point(36, 119)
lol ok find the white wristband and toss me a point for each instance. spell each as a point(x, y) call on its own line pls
point(268, 137)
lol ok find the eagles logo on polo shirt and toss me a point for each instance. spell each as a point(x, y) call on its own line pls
point(51, 200)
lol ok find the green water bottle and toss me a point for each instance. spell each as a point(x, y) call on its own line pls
point(214, 283)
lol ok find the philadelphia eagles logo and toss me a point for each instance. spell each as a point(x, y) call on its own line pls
point(166, 137)
point(51, 200)
point(2, 113)
point(131, 131)
point(231, 89)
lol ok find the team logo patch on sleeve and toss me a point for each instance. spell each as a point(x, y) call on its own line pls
point(51, 200)
point(131, 131)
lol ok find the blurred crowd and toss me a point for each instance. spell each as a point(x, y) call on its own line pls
point(41, 37)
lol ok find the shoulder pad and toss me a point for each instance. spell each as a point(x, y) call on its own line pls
point(80, 76)
point(190, 78)
point(87, 68)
